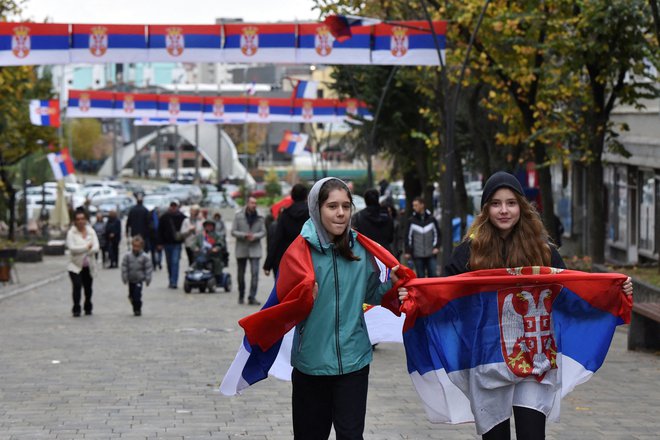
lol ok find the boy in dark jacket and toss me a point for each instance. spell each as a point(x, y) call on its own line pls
point(136, 269)
point(375, 221)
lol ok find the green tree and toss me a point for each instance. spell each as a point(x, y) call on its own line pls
point(85, 134)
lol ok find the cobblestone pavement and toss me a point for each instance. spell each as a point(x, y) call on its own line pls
point(113, 375)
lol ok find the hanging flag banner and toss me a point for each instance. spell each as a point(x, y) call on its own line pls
point(293, 143)
point(164, 121)
point(260, 43)
point(408, 43)
point(90, 104)
point(342, 26)
point(61, 164)
point(135, 105)
point(353, 110)
point(24, 44)
point(179, 107)
point(45, 112)
point(314, 110)
point(317, 45)
point(224, 110)
point(108, 43)
point(269, 110)
point(185, 43)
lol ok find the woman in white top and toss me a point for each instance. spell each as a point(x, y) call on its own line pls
point(83, 244)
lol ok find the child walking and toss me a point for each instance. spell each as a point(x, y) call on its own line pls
point(136, 269)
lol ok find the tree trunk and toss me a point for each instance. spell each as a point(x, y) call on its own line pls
point(596, 210)
point(545, 186)
point(11, 205)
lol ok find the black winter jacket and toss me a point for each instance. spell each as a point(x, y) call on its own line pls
point(289, 223)
point(376, 223)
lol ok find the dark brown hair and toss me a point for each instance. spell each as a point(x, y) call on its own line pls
point(342, 242)
point(526, 245)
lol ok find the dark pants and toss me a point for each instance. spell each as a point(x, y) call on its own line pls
point(190, 253)
point(530, 425)
point(321, 401)
point(135, 295)
point(425, 267)
point(113, 253)
point(103, 250)
point(156, 257)
point(79, 281)
point(254, 277)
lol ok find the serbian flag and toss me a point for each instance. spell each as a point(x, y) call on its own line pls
point(260, 43)
point(90, 104)
point(164, 121)
point(108, 43)
point(23, 44)
point(45, 112)
point(268, 333)
point(225, 110)
point(354, 111)
point(314, 110)
point(179, 107)
point(408, 43)
point(318, 45)
point(343, 26)
point(293, 143)
point(305, 89)
point(135, 105)
point(185, 43)
point(269, 110)
point(61, 164)
point(480, 342)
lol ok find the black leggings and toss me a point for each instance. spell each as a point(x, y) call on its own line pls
point(530, 425)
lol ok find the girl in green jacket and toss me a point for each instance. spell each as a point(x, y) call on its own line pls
point(331, 348)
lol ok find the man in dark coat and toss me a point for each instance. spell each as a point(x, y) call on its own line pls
point(170, 239)
point(137, 222)
point(112, 237)
point(289, 224)
point(375, 221)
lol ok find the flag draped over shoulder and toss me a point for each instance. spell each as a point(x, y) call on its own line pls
point(266, 346)
point(480, 342)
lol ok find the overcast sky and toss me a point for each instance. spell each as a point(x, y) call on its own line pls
point(168, 11)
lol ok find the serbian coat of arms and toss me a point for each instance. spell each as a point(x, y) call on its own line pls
point(249, 41)
point(98, 40)
point(20, 41)
point(399, 41)
point(323, 41)
point(174, 41)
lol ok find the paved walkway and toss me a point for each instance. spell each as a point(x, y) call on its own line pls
point(113, 375)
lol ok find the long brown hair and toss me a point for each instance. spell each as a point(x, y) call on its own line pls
point(341, 242)
point(526, 245)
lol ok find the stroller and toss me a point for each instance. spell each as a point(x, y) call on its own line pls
point(200, 275)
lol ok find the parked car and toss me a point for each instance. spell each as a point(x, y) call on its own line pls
point(120, 203)
point(218, 199)
point(152, 201)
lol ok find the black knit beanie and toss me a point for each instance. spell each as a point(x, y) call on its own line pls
point(499, 180)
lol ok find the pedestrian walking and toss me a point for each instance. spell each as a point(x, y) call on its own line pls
point(191, 228)
point(156, 250)
point(99, 229)
point(422, 240)
point(170, 239)
point(248, 228)
point(137, 222)
point(136, 271)
point(508, 232)
point(330, 380)
point(375, 221)
point(289, 223)
point(83, 244)
point(113, 237)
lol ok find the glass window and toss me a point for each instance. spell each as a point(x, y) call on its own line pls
point(647, 212)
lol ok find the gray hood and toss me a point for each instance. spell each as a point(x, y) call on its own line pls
point(315, 209)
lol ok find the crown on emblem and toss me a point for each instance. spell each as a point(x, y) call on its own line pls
point(323, 31)
point(399, 31)
point(22, 31)
point(174, 31)
point(99, 31)
point(250, 31)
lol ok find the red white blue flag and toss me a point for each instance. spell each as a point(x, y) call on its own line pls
point(314, 110)
point(179, 107)
point(318, 45)
point(480, 342)
point(269, 110)
point(61, 164)
point(225, 110)
point(185, 43)
point(260, 43)
point(342, 26)
point(90, 104)
point(135, 105)
point(24, 44)
point(266, 347)
point(408, 43)
point(305, 90)
point(353, 110)
point(293, 143)
point(108, 43)
point(45, 112)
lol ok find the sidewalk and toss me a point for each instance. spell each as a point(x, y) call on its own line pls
point(115, 376)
